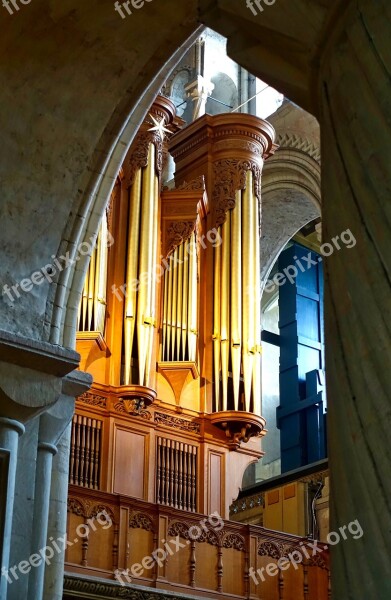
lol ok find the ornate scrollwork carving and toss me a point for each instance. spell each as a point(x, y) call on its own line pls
point(177, 422)
point(194, 532)
point(141, 521)
point(138, 158)
point(234, 540)
point(229, 177)
point(129, 407)
point(179, 528)
point(76, 507)
point(177, 233)
point(93, 399)
point(194, 185)
point(271, 549)
point(100, 509)
point(89, 509)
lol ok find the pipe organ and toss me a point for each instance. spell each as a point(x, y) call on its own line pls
point(170, 330)
point(230, 154)
point(140, 285)
point(92, 309)
point(174, 414)
point(180, 294)
point(236, 319)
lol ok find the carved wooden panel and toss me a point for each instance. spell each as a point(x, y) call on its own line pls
point(129, 463)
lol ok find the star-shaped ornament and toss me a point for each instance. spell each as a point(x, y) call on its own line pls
point(159, 127)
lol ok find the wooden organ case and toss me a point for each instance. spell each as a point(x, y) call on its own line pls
point(169, 327)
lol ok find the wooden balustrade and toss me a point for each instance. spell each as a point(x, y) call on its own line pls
point(176, 474)
point(84, 468)
point(161, 547)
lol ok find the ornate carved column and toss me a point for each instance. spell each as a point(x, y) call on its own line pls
point(355, 120)
point(230, 152)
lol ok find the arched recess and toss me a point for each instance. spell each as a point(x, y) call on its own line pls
point(291, 198)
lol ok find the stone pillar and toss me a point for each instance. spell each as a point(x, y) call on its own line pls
point(50, 583)
point(31, 382)
point(10, 430)
point(52, 426)
point(57, 524)
point(356, 147)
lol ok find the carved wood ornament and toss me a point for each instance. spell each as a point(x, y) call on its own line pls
point(229, 177)
point(138, 158)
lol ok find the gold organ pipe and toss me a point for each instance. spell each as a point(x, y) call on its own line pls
point(180, 310)
point(97, 279)
point(101, 278)
point(236, 295)
point(91, 290)
point(180, 301)
point(132, 272)
point(192, 302)
point(248, 289)
point(169, 274)
point(84, 301)
point(152, 282)
point(145, 264)
point(217, 322)
point(164, 327)
point(225, 293)
point(185, 298)
point(257, 309)
point(174, 303)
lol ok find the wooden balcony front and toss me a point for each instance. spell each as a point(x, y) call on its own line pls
point(137, 543)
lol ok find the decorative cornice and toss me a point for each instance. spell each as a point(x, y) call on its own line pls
point(176, 422)
point(93, 399)
point(292, 140)
point(229, 177)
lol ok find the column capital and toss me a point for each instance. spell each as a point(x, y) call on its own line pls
point(12, 424)
point(31, 375)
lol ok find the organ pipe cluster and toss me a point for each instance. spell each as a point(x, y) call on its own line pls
point(140, 307)
point(92, 308)
point(237, 327)
point(180, 301)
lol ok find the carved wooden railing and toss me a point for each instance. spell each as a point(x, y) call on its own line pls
point(139, 543)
